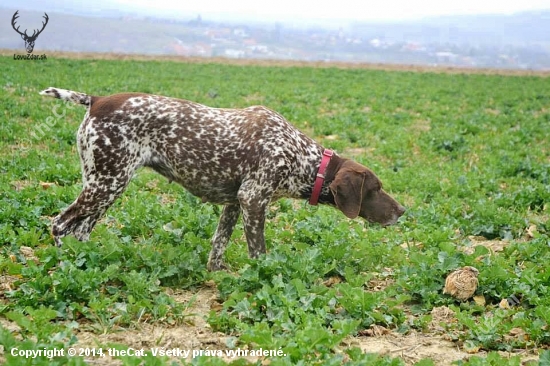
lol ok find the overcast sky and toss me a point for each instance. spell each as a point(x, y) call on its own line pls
point(339, 9)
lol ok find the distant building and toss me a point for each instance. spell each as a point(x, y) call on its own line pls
point(233, 53)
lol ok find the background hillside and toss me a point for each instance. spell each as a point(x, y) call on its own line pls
point(518, 41)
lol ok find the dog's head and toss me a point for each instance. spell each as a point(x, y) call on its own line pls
point(358, 192)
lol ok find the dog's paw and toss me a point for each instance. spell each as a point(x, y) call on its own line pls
point(218, 265)
point(58, 242)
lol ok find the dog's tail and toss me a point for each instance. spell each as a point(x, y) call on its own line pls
point(68, 95)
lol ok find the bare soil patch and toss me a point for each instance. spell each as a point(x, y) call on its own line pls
point(195, 334)
point(494, 246)
point(412, 347)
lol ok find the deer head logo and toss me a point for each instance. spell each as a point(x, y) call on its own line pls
point(29, 40)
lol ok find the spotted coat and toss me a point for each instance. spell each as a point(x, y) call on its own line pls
point(240, 158)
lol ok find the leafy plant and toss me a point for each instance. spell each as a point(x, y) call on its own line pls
point(466, 154)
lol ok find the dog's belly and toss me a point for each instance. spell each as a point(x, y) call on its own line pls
point(218, 188)
point(214, 192)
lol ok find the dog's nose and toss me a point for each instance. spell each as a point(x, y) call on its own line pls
point(400, 210)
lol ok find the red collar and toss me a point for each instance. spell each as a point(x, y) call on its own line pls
point(327, 154)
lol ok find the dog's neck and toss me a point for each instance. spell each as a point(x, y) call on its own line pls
point(326, 196)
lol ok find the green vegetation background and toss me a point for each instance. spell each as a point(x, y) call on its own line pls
point(467, 154)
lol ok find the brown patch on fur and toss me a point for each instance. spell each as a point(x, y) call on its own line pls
point(105, 106)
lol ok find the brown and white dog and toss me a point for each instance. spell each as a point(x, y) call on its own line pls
point(241, 158)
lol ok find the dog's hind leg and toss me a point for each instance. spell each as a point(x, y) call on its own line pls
point(82, 215)
point(105, 174)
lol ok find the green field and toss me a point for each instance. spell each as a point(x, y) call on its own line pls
point(468, 155)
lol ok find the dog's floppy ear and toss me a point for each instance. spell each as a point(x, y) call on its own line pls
point(347, 189)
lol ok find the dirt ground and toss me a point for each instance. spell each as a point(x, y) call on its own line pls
point(196, 333)
point(286, 63)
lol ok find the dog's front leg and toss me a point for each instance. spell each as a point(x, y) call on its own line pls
point(254, 200)
point(228, 219)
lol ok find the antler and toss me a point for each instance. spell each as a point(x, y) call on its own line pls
point(15, 16)
point(34, 34)
point(43, 26)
